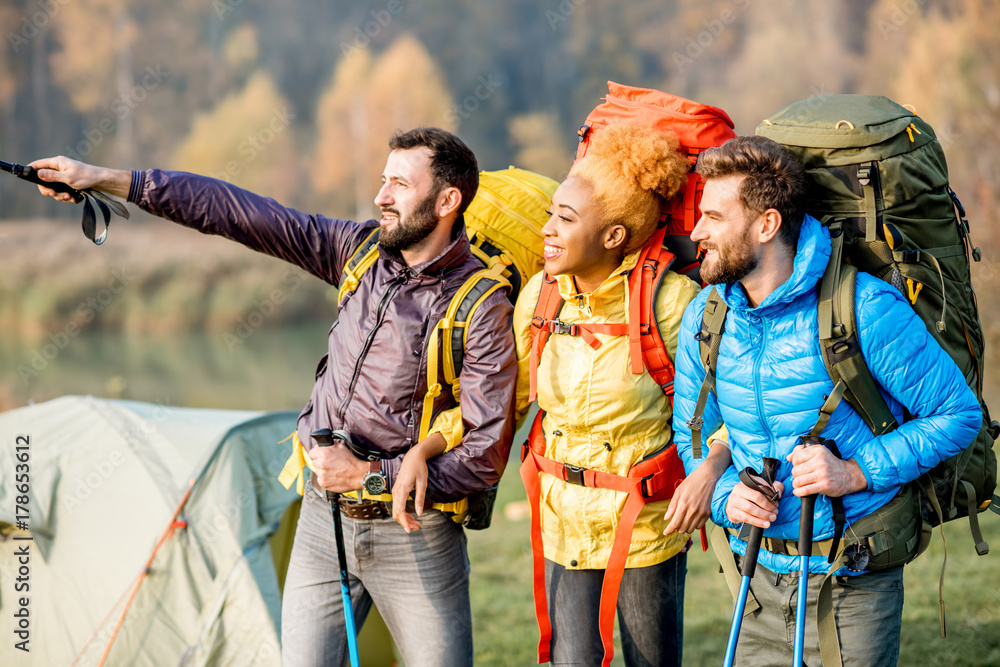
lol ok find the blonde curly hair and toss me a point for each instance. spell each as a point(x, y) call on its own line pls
point(632, 169)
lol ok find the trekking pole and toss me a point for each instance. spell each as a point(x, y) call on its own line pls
point(805, 545)
point(93, 200)
point(324, 438)
point(762, 482)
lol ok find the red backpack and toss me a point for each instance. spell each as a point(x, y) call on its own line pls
point(698, 127)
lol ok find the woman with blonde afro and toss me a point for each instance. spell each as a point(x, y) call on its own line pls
point(600, 416)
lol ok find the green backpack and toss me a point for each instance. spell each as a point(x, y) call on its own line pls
point(879, 181)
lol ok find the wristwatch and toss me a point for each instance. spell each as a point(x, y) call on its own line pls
point(374, 481)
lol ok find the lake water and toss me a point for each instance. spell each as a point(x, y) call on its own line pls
point(271, 369)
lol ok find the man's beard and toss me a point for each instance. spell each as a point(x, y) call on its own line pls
point(412, 229)
point(733, 262)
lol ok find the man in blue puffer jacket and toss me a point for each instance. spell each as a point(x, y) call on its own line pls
point(767, 258)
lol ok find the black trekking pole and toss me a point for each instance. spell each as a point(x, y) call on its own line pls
point(805, 551)
point(764, 483)
point(324, 438)
point(93, 200)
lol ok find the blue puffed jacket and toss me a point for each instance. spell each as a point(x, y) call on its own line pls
point(772, 382)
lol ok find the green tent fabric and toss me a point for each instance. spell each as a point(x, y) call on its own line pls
point(106, 478)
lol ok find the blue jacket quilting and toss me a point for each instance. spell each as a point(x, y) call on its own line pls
point(772, 381)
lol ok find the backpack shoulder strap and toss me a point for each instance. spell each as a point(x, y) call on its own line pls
point(838, 333)
point(547, 309)
point(713, 325)
point(450, 335)
point(644, 330)
point(360, 261)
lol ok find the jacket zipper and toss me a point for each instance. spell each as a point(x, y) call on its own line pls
point(757, 390)
point(396, 282)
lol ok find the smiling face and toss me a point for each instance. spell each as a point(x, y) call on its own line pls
point(725, 233)
point(408, 199)
point(577, 240)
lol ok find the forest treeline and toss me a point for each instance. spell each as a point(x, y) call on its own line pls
point(295, 98)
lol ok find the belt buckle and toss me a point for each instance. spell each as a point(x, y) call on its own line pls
point(573, 474)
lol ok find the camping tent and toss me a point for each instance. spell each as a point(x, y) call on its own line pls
point(106, 480)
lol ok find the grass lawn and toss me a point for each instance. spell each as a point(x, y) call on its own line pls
point(505, 631)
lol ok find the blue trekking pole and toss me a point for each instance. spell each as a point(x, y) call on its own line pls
point(805, 551)
point(324, 438)
point(762, 482)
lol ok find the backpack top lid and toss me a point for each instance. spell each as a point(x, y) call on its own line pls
point(694, 124)
point(846, 122)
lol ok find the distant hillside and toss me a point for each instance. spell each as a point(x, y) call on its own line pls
point(149, 277)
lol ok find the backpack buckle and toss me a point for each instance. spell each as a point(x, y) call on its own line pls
point(560, 327)
point(644, 487)
point(573, 474)
point(696, 423)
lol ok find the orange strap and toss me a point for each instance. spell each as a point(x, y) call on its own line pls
point(648, 481)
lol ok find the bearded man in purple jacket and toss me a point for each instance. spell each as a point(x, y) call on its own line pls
point(371, 383)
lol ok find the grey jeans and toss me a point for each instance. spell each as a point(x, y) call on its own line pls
point(650, 613)
point(868, 609)
point(419, 582)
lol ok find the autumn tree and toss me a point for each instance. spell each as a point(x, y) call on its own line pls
point(248, 140)
point(539, 144)
point(366, 101)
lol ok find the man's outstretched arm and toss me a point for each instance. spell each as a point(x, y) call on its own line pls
point(315, 243)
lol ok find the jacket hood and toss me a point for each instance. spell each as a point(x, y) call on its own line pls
point(454, 255)
point(812, 254)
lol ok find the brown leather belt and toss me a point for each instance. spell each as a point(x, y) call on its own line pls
point(365, 509)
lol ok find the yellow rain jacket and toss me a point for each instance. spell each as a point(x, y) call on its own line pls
point(599, 416)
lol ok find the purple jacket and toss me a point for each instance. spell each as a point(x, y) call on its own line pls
point(373, 379)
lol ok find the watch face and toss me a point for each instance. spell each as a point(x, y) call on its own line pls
point(374, 484)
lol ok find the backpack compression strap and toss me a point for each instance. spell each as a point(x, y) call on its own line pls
point(713, 324)
point(361, 260)
point(650, 480)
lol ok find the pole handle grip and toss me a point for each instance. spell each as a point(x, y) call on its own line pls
point(806, 525)
point(30, 174)
point(749, 565)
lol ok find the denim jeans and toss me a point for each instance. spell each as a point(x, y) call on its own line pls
point(868, 609)
point(650, 613)
point(419, 582)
